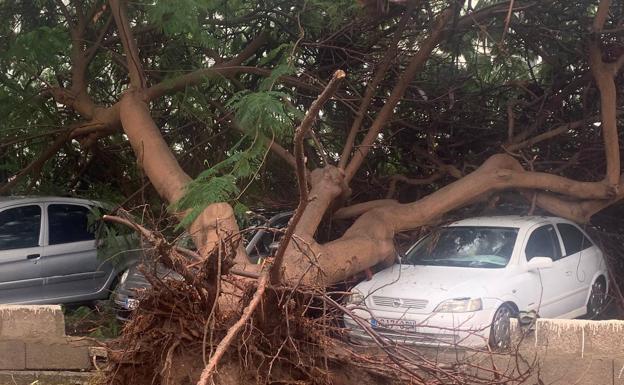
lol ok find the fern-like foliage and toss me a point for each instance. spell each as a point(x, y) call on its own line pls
point(263, 111)
point(264, 115)
point(220, 183)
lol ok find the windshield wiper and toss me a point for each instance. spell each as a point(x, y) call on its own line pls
point(433, 262)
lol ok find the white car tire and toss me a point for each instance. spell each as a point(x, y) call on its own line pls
point(500, 330)
point(597, 298)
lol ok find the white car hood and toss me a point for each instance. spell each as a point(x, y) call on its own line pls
point(432, 283)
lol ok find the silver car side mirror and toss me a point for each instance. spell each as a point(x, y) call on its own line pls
point(273, 247)
point(539, 263)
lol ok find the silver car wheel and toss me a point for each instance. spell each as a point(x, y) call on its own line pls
point(500, 331)
point(597, 299)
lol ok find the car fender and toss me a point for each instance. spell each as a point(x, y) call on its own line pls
point(508, 286)
point(493, 304)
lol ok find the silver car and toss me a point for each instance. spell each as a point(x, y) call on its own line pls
point(48, 252)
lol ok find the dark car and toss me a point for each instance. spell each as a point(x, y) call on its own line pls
point(261, 245)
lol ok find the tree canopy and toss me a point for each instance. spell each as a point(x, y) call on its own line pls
point(499, 80)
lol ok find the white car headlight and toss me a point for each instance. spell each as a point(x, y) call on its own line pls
point(459, 305)
point(355, 298)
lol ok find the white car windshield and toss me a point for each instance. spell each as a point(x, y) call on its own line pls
point(465, 246)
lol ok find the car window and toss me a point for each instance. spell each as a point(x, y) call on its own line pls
point(465, 246)
point(543, 242)
point(69, 223)
point(20, 227)
point(573, 239)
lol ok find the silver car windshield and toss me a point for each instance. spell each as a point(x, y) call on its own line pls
point(465, 246)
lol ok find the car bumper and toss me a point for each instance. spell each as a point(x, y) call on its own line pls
point(124, 305)
point(469, 329)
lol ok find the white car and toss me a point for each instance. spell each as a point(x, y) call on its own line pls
point(461, 284)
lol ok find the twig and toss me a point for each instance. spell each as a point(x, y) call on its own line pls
point(138, 228)
point(184, 251)
point(416, 64)
point(36, 165)
point(371, 87)
point(164, 249)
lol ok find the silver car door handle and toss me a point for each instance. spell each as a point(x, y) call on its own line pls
point(33, 256)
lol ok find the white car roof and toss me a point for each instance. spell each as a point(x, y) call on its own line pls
point(11, 200)
point(518, 221)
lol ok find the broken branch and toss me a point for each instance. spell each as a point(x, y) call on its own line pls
point(302, 179)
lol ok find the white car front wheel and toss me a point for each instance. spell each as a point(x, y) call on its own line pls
point(500, 330)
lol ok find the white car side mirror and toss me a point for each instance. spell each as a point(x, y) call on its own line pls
point(539, 263)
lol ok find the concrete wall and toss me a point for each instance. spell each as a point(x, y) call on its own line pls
point(579, 337)
point(33, 341)
point(33, 338)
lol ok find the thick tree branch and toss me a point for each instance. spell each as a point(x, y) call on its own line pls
point(76, 97)
point(606, 85)
point(604, 76)
point(370, 239)
point(545, 136)
point(360, 208)
point(217, 221)
point(106, 121)
point(601, 15)
point(135, 70)
point(152, 152)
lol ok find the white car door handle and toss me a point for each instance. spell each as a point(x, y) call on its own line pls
point(568, 273)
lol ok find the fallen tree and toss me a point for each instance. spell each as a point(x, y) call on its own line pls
point(325, 186)
point(370, 239)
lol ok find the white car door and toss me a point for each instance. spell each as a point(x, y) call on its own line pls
point(556, 285)
point(585, 263)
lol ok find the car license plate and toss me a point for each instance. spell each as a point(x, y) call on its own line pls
point(395, 324)
point(132, 303)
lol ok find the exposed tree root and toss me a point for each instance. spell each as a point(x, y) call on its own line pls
point(293, 337)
